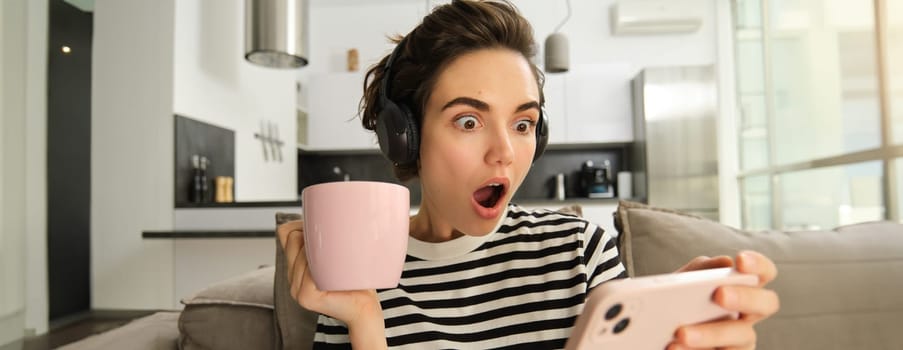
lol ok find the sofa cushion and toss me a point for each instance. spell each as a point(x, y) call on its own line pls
point(155, 332)
point(233, 314)
point(294, 325)
point(839, 289)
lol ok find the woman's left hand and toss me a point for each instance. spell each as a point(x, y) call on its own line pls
point(753, 303)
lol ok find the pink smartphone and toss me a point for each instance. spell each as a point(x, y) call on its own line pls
point(644, 312)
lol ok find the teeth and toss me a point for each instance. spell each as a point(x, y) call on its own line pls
point(494, 184)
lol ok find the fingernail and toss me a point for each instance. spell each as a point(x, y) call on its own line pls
point(749, 261)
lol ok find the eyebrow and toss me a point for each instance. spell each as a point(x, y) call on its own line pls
point(483, 106)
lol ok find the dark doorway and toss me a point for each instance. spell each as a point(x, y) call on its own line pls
point(69, 160)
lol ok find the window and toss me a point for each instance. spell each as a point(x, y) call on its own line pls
point(895, 67)
point(899, 172)
point(828, 197)
point(757, 202)
point(820, 94)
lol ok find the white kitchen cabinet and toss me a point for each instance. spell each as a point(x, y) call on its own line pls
point(199, 263)
point(555, 107)
point(332, 120)
point(590, 104)
point(598, 106)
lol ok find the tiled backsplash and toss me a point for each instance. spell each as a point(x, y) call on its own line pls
point(540, 182)
point(215, 143)
point(316, 167)
point(320, 167)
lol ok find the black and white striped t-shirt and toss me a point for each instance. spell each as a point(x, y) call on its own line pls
point(520, 286)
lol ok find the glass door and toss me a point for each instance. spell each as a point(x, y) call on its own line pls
point(820, 115)
point(894, 59)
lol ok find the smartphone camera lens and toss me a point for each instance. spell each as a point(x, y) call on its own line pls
point(613, 312)
point(621, 325)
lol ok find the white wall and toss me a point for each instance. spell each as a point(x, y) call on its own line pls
point(131, 154)
point(591, 42)
point(213, 83)
point(12, 169)
point(153, 60)
point(596, 89)
point(36, 316)
point(335, 29)
point(23, 168)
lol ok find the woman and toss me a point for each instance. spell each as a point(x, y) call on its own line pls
point(480, 272)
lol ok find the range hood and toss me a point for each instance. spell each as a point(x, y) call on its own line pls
point(276, 33)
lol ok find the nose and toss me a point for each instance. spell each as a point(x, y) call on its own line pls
point(500, 150)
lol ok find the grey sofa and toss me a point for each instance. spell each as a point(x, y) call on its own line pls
point(839, 289)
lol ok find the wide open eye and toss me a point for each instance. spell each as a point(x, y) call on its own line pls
point(523, 126)
point(467, 122)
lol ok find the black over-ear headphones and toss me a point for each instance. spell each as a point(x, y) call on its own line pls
point(397, 129)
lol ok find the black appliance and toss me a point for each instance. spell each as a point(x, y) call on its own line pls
point(595, 182)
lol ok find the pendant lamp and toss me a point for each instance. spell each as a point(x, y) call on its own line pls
point(557, 49)
point(276, 33)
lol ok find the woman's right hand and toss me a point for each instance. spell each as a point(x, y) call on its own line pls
point(359, 309)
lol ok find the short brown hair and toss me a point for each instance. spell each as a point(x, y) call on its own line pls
point(447, 33)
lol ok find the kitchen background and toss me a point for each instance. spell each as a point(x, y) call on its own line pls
point(311, 113)
point(106, 104)
point(162, 68)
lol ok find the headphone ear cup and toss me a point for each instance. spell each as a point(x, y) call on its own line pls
point(412, 144)
point(397, 133)
point(542, 134)
point(389, 132)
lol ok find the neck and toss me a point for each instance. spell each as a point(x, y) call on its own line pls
point(428, 226)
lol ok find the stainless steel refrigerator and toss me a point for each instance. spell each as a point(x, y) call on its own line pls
point(675, 153)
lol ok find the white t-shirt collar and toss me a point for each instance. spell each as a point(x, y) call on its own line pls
point(453, 248)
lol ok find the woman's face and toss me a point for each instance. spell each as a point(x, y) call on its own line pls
point(478, 138)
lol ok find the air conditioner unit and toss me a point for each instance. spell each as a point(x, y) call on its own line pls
point(655, 16)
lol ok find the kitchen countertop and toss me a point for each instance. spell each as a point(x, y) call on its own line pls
point(239, 204)
point(192, 234)
point(525, 201)
point(255, 219)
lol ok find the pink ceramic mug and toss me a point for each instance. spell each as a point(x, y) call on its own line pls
point(355, 234)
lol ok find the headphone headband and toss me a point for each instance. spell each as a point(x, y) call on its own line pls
point(397, 128)
point(387, 71)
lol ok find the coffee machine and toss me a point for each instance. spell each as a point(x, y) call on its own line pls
point(595, 182)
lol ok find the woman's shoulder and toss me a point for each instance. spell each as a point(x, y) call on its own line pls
point(519, 216)
point(573, 211)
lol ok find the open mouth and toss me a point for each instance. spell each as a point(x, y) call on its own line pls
point(488, 196)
